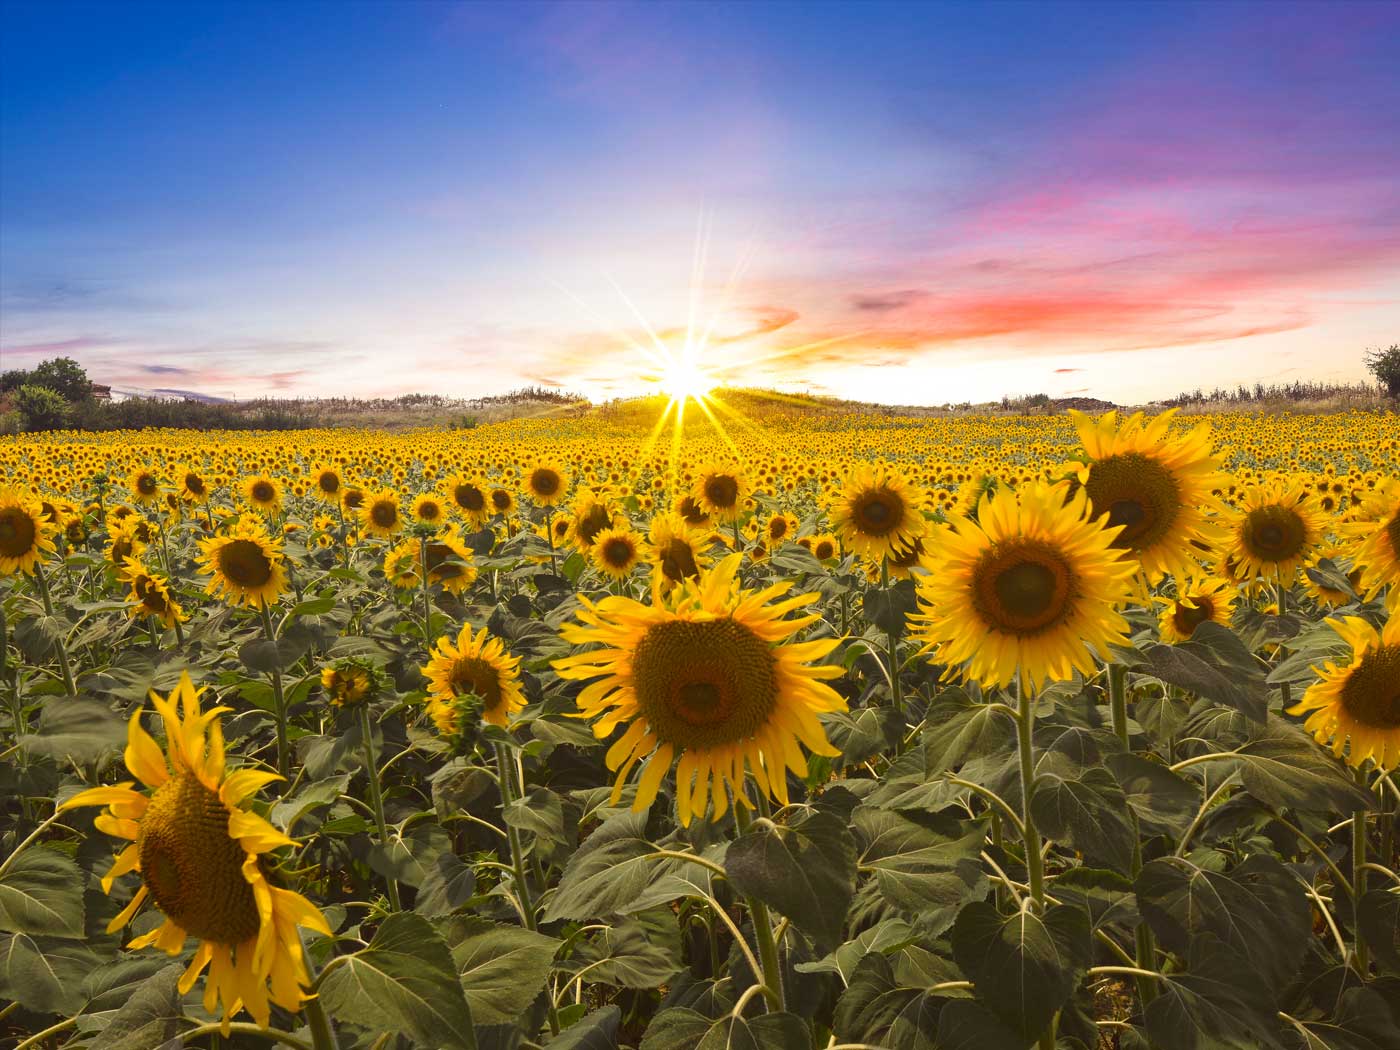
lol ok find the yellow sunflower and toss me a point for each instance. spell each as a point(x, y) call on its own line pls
point(689, 508)
point(326, 484)
point(450, 563)
point(428, 509)
point(1197, 600)
point(1359, 702)
point(473, 666)
point(469, 497)
point(380, 515)
point(1277, 529)
point(262, 493)
point(720, 491)
point(144, 485)
point(591, 516)
point(246, 564)
point(1376, 549)
point(547, 483)
point(122, 543)
point(24, 533)
point(877, 512)
point(150, 594)
point(501, 501)
point(1032, 584)
point(704, 680)
point(617, 551)
point(779, 529)
point(349, 682)
point(675, 550)
point(200, 856)
point(1156, 486)
point(193, 487)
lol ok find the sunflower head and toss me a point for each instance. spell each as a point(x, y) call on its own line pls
point(350, 682)
point(703, 679)
point(476, 666)
point(689, 508)
point(262, 493)
point(428, 509)
point(200, 855)
point(326, 484)
point(592, 516)
point(24, 532)
point(877, 512)
point(720, 491)
point(144, 485)
point(1374, 540)
point(1277, 529)
point(1197, 601)
point(547, 483)
point(1356, 706)
point(380, 514)
point(468, 496)
point(675, 550)
point(245, 563)
point(149, 594)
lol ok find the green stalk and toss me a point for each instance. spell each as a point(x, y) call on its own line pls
point(1118, 701)
point(58, 641)
point(772, 975)
point(1035, 869)
point(549, 535)
point(1358, 880)
point(1145, 946)
point(376, 794)
point(284, 754)
point(427, 599)
point(896, 685)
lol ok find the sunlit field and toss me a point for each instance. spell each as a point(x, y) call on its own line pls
point(687, 723)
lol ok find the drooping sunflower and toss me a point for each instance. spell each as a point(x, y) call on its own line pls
point(263, 493)
point(450, 563)
point(877, 512)
point(704, 680)
point(200, 857)
point(1358, 703)
point(1376, 544)
point(1197, 600)
point(720, 491)
point(24, 532)
point(1278, 528)
point(473, 666)
point(547, 483)
point(349, 682)
point(675, 549)
point(144, 485)
point(469, 497)
point(1030, 585)
point(326, 484)
point(617, 551)
point(380, 515)
point(122, 543)
point(150, 594)
point(689, 508)
point(1156, 486)
point(427, 509)
point(245, 563)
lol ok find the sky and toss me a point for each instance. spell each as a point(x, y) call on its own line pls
point(905, 203)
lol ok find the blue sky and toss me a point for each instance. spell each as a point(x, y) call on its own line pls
point(376, 198)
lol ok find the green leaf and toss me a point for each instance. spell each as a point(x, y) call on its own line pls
point(926, 867)
point(959, 730)
point(1362, 1021)
point(315, 606)
point(540, 812)
point(616, 871)
point(1024, 966)
point(448, 883)
point(622, 955)
point(876, 1008)
point(597, 1031)
point(1163, 801)
point(77, 729)
point(1106, 896)
point(503, 968)
point(42, 893)
point(884, 936)
point(150, 1018)
point(1087, 811)
point(864, 732)
point(405, 982)
point(1220, 1004)
point(806, 870)
point(965, 1025)
point(888, 609)
point(1378, 922)
point(44, 974)
point(683, 1029)
point(793, 559)
point(1258, 910)
point(265, 655)
point(1214, 664)
point(1289, 771)
point(293, 808)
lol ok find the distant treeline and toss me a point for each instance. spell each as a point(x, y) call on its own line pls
point(1298, 391)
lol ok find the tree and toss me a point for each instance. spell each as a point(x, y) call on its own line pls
point(1385, 366)
point(12, 379)
point(65, 377)
point(41, 408)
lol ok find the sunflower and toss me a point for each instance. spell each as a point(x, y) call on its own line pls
point(122, 543)
point(877, 512)
point(1376, 539)
point(720, 491)
point(201, 860)
point(427, 509)
point(675, 550)
point(1197, 600)
point(352, 498)
point(1277, 530)
point(546, 483)
point(703, 679)
point(150, 594)
point(591, 517)
point(474, 666)
point(24, 533)
point(469, 497)
point(326, 484)
point(689, 508)
point(617, 551)
point(450, 563)
point(1156, 486)
point(349, 682)
point(501, 501)
point(779, 529)
point(262, 493)
point(380, 514)
point(824, 547)
point(193, 487)
point(1031, 585)
point(1360, 700)
point(144, 485)
point(245, 563)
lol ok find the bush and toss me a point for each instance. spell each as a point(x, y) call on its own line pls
point(41, 408)
point(65, 377)
point(1385, 366)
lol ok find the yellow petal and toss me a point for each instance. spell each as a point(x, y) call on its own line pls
point(255, 834)
point(143, 755)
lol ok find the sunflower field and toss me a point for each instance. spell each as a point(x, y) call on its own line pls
point(823, 733)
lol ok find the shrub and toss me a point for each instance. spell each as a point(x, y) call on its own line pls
point(41, 408)
point(1385, 366)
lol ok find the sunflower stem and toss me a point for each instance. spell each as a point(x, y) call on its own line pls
point(549, 535)
point(1118, 701)
point(58, 641)
point(1358, 879)
point(284, 756)
point(896, 686)
point(427, 597)
point(376, 795)
point(1035, 869)
point(772, 976)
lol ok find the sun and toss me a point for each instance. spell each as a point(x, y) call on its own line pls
point(682, 380)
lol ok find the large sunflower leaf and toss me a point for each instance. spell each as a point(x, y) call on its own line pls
point(1089, 812)
point(42, 893)
point(502, 968)
point(927, 867)
point(80, 729)
point(683, 1029)
point(151, 1017)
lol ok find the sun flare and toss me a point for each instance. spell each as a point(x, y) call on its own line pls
point(687, 379)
